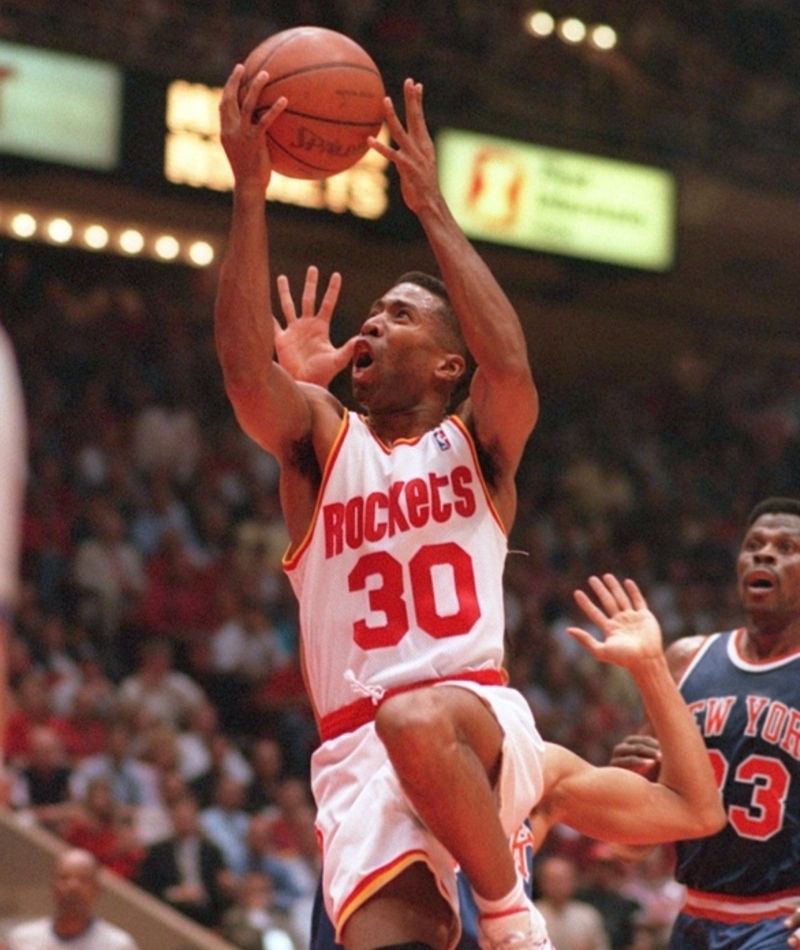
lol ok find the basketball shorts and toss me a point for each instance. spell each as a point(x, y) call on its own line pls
point(698, 933)
point(369, 831)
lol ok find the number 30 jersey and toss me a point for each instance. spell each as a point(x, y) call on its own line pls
point(749, 715)
point(399, 578)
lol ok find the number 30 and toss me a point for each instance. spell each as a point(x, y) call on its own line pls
point(389, 596)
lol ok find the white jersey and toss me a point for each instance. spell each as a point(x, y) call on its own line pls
point(399, 578)
point(99, 935)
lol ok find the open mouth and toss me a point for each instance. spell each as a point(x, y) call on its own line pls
point(760, 580)
point(362, 358)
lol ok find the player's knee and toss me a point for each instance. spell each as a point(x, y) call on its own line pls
point(412, 726)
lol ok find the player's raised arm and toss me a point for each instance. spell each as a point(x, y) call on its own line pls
point(488, 320)
point(616, 804)
point(268, 404)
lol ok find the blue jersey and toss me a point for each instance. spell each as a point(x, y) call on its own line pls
point(749, 715)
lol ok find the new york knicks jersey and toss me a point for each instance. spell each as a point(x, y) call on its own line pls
point(749, 714)
point(399, 579)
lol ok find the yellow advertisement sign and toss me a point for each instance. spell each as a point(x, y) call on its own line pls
point(557, 201)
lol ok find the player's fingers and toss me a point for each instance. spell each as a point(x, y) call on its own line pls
point(413, 99)
point(253, 92)
point(588, 606)
point(585, 639)
point(230, 90)
point(381, 148)
point(635, 594)
point(604, 595)
point(396, 128)
point(328, 304)
point(266, 118)
point(617, 591)
point(309, 297)
point(285, 297)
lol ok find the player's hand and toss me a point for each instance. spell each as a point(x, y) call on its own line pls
point(792, 924)
point(631, 632)
point(414, 156)
point(304, 347)
point(245, 140)
point(640, 754)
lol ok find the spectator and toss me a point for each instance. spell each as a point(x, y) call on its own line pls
point(104, 828)
point(225, 823)
point(187, 871)
point(178, 604)
point(255, 921)
point(42, 786)
point(603, 886)
point(221, 753)
point(153, 822)
point(195, 744)
point(165, 517)
point(108, 572)
point(34, 709)
point(244, 652)
point(130, 781)
point(74, 923)
point(157, 688)
point(266, 758)
point(652, 884)
point(571, 924)
point(61, 672)
point(266, 857)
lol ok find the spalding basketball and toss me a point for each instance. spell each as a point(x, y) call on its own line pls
point(335, 100)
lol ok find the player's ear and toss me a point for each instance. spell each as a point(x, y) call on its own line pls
point(451, 367)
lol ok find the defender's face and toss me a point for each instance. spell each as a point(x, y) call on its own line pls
point(768, 567)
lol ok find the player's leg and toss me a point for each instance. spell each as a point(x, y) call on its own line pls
point(408, 910)
point(449, 750)
point(445, 745)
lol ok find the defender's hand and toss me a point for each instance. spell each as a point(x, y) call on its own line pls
point(631, 632)
point(640, 754)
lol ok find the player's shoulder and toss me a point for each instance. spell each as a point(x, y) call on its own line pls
point(320, 397)
point(681, 652)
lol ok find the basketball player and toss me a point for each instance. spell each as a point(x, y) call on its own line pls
point(13, 469)
point(398, 521)
point(743, 687)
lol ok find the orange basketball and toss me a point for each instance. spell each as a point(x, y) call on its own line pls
point(335, 94)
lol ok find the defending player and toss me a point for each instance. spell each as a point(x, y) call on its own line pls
point(744, 689)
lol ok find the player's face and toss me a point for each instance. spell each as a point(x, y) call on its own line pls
point(768, 568)
point(398, 348)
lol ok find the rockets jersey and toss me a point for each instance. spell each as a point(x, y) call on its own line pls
point(399, 578)
point(749, 715)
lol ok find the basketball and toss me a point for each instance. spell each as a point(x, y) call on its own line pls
point(335, 99)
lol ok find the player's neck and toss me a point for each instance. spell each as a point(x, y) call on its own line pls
point(770, 637)
point(393, 426)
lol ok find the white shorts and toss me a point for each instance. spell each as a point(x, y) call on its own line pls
point(369, 830)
